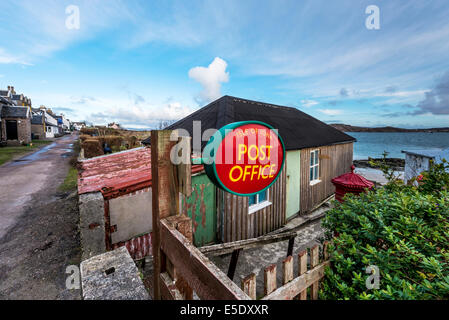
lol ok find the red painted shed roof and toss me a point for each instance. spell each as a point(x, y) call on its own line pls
point(121, 172)
point(352, 180)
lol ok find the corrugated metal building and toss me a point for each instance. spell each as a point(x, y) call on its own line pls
point(316, 153)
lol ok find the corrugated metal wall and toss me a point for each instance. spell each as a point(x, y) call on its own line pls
point(201, 208)
point(334, 161)
point(233, 221)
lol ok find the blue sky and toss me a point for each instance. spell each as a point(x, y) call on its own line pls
point(138, 62)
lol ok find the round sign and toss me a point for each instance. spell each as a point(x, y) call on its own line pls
point(244, 158)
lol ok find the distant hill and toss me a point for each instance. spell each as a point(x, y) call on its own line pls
point(349, 128)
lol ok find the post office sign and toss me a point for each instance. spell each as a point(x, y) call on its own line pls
point(244, 158)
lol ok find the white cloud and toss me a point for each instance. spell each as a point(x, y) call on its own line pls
point(6, 58)
point(142, 115)
point(331, 112)
point(211, 79)
point(308, 103)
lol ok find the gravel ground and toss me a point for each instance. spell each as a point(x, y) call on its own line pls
point(40, 237)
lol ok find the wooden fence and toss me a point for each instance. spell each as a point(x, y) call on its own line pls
point(292, 287)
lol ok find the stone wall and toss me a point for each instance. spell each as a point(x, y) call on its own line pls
point(92, 224)
point(112, 276)
point(24, 130)
point(38, 130)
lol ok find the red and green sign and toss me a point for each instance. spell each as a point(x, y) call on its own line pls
point(244, 158)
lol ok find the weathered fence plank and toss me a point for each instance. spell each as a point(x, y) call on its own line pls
point(287, 270)
point(249, 286)
point(225, 248)
point(205, 278)
point(302, 268)
point(169, 291)
point(314, 260)
point(164, 200)
point(299, 284)
point(270, 279)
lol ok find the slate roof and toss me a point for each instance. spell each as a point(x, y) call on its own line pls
point(298, 129)
point(5, 101)
point(14, 112)
point(436, 154)
point(36, 119)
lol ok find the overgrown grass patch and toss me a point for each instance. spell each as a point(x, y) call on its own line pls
point(70, 182)
point(8, 153)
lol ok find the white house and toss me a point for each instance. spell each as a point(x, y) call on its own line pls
point(417, 161)
point(51, 125)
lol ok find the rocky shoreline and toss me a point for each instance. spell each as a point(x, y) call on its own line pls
point(396, 163)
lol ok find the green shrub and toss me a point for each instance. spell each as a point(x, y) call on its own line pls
point(404, 233)
point(436, 179)
point(403, 230)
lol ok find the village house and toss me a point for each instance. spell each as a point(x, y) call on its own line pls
point(50, 122)
point(15, 117)
point(119, 185)
point(417, 161)
point(15, 123)
point(78, 125)
point(17, 99)
point(63, 124)
point(114, 125)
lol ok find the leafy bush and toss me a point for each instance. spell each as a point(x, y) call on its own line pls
point(436, 179)
point(403, 230)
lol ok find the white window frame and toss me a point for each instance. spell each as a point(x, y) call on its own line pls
point(260, 205)
point(316, 163)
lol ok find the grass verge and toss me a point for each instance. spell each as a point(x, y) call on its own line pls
point(71, 181)
point(8, 153)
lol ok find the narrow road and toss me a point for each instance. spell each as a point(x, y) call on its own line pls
point(21, 178)
point(38, 225)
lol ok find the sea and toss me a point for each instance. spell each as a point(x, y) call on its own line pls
point(373, 144)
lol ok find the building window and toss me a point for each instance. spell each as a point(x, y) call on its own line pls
point(258, 201)
point(315, 166)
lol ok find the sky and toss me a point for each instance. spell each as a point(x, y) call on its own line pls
point(141, 62)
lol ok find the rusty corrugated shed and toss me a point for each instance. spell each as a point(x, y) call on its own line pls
point(118, 173)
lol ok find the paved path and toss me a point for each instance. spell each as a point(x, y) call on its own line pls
point(39, 234)
point(22, 178)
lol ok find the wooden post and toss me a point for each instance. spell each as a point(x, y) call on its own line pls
point(287, 270)
point(291, 243)
point(314, 260)
point(249, 286)
point(302, 268)
point(185, 167)
point(184, 226)
point(165, 198)
point(270, 279)
point(233, 263)
point(326, 250)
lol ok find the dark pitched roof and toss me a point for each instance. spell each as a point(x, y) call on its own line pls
point(5, 101)
point(298, 129)
point(36, 119)
point(14, 112)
